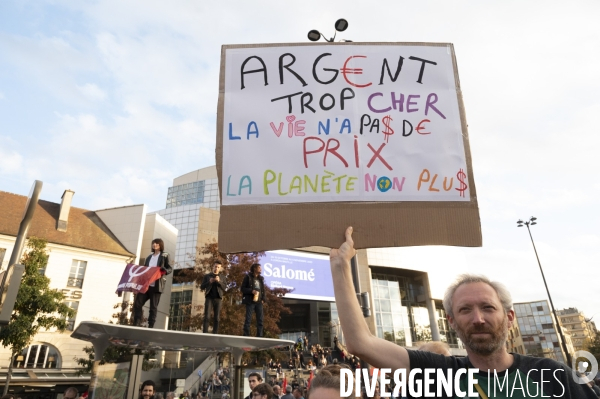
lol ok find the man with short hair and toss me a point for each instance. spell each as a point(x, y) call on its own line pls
point(147, 390)
point(253, 290)
point(170, 395)
point(262, 391)
point(214, 286)
point(158, 258)
point(297, 394)
point(288, 393)
point(253, 380)
point(71, 393)
point(480, 311)
point(276, 392)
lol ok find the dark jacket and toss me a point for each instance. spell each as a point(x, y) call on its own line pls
point(207, 285)
point(248, 286)
point(163, 263)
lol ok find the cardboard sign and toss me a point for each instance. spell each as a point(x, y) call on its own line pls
point(138, 278)
point(312, 138)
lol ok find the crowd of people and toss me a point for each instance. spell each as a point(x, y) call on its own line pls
point(219, 383)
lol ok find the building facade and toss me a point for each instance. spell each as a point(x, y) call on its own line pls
point(538, 331)
point(88, 251)
point(577, 326)
point(192, 206)
point(514, 341)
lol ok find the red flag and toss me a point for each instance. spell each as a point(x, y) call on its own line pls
point(284, 385)
point(310, 377)
point(138, 278)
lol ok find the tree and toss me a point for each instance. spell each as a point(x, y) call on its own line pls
point(235, 266)
point(593, 346)
point(37, 306)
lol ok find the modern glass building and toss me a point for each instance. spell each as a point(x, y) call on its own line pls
point(401, 315)
point(193, 208)
point(538, 330)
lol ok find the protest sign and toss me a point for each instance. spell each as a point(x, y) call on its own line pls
point(312, 138)
point(138, 278)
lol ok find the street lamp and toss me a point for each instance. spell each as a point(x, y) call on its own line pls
point(531, 222)
point(340, 26)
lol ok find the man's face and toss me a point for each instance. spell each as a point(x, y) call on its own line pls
point(147, 391)
point(479, 318)
point(253, 381)
point(216, 268)
point(258, 269)
point(297, 394)
point(276, 390)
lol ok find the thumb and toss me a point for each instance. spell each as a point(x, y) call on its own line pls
point(349, 236)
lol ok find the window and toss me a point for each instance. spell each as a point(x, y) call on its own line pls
point(77, 273)
point(37, 356)
point(180, 309)
point(73, 305)
point(2, 253)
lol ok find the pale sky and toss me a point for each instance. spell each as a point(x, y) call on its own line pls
point(113, 99)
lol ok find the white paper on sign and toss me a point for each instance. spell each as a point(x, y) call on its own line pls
point(334, 123)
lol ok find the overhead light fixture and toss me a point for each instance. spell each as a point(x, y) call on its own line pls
point(340, 26)
point(314, 35)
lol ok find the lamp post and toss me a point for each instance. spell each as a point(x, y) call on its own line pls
point(531, 222)
point(340, 26)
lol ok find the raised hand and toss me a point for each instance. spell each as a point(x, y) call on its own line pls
point(345, 252)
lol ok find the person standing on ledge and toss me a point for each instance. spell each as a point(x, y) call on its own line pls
point(253, 289)
point(214, 286)
point(159, 258)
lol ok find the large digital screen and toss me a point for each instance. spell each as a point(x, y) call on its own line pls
point(307, 274)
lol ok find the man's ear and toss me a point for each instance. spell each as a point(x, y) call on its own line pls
point(450, 321)
point(511, 317)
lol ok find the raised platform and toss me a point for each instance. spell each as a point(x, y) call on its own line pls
point(101, 335)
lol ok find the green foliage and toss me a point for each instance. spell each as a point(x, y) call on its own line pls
point(233, 313)
point(37, 306)
point(593, 346)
